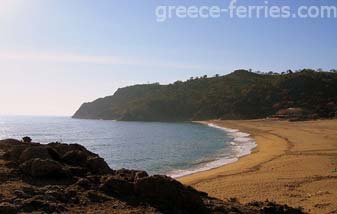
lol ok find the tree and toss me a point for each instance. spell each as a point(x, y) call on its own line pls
point(239, 95)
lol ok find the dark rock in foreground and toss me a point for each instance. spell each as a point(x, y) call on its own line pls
point(61, 178)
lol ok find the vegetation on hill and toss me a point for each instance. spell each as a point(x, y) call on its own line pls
point(240, 95)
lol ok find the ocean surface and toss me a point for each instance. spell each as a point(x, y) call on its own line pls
point(174, 149)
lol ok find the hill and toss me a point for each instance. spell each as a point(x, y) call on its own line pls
point(239, 95)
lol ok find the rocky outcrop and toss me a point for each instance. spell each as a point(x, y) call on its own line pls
point(62, 178)
point(48, 169)
point(159, 188)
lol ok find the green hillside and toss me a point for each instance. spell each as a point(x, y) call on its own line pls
point(239, 95)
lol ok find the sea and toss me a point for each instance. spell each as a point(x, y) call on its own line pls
point(173, 149)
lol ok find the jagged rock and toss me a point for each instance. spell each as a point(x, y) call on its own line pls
point(92, 181)
point(13, 153)
point(37, 204)
point(78, 171)
point(268, 207)
point(84, 183)
point(97, 165)
point(22, 194)
point(75, 158)
point(62, 148)
point(141, 174)
point(30, 190)
point(97, 197)
point(56, 195)
point(131, 175)
point(71, 195)
point(7, 208)
point(34, 152)
point(39, 168)
point(168, 193)
point(114, 185)
point(96, 180)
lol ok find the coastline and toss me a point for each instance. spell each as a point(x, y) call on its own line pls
point(292, 163)
point(243, 144)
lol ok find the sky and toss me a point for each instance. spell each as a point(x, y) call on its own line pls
point(57, 54)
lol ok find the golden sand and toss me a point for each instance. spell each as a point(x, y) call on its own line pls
point(294, 163)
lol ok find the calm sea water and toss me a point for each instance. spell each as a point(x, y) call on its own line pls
point(167, 148)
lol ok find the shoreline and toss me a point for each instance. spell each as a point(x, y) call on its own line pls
point(44, 182)
point(194, 178)
point(292, 164)
point(243, 143)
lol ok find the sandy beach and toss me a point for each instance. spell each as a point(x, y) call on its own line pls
point(294, 163)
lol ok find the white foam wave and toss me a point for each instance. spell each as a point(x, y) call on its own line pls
point(242, 144)
point(204, 167)
point(233, 143)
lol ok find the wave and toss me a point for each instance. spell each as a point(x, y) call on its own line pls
point(242, 145)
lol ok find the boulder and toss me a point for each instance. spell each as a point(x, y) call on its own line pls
point(54, 154)
point(30, 190)
point(56, 195)
point(39, 168)
point(22, 194)
point(39, 204)
point(62, 148)
point(72, 194)
point(78, 171)
point(13, 154)
point(131, 175)
point(140, 175)
point(7, 208)
point(10, 142)
point(116, 186)
point(84, 183)
point(97, 165)
point(80, 181)
point(37, 152)
point(167, 193)
point(97, 197)
point(75, 158)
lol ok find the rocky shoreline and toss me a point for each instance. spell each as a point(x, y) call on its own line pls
point(67, 178)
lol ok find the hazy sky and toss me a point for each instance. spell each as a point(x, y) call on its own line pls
point(56, 54)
